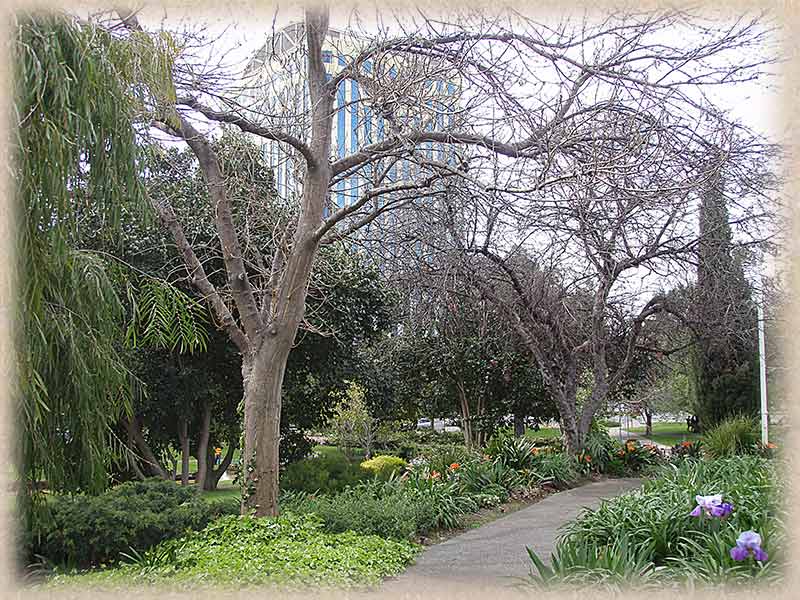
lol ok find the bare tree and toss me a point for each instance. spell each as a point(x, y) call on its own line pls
point(544, 108)
point(580, 269)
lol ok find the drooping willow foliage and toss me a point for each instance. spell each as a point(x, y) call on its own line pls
point(79, 94)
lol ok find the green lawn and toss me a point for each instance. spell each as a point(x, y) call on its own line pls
point(544, 432)
point(668, 434)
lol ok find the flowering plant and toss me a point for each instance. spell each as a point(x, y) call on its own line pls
point(748, 544)
point(686, 449)
point(712, 506)
point(631, 458)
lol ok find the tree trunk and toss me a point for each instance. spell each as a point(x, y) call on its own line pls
point(648, 431)
point(132, 458)
point(262, 402)
point(213, 475)
point(466, 424)
point(183, 436)
point(574, 434)
point(202, 447)
point(135, 433)
point(480, 435)
point(519, 424)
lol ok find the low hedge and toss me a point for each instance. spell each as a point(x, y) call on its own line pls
point(83, 531)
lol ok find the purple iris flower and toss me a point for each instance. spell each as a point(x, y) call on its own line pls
point(712, 506)
point(749, 542)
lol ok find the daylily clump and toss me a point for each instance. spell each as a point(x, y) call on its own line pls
point(748, 544)
point(712, 506)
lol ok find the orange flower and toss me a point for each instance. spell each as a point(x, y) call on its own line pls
point(686, 444)
point(621, 453)
point(771, 446)
point(587, 458)
point(455, 466)
point(534, 451)
point(434, 475)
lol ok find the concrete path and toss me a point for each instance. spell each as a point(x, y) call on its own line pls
point(494, 555)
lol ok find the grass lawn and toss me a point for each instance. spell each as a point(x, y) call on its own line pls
point(668, 434)
point(358, 453)
point(544, 432)
point(225, 490)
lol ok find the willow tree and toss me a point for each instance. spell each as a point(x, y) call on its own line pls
point(75, 155)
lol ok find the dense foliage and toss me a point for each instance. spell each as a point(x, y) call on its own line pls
point(91, 530)
point(384, 466)
point(328, 472)
point(71, 105)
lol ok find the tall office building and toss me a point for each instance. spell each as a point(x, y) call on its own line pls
point(279, 72)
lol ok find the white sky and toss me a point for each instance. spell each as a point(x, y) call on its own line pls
point(243, 32)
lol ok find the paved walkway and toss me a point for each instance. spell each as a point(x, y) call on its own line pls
point(494, 555)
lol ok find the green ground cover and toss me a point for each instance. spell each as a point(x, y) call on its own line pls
point(290, 550)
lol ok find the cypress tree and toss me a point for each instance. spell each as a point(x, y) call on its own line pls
point(726, 367)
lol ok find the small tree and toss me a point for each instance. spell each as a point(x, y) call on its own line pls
point(351, 422)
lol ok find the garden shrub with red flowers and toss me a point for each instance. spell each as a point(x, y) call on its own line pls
point(632, 458)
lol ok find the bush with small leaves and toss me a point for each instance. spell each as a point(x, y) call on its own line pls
point(90, 530)
point(384, 466)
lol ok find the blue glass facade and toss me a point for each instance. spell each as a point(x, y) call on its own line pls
point(354, 126)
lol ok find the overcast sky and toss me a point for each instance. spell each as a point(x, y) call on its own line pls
point(245, 31)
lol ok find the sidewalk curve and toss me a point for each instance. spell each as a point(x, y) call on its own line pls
point(494, 554)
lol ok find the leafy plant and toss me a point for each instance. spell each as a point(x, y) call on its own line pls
point(328, 473)
point(351, 422)
point(732, 437)
point(290, 549)
point(384, 466)
point(600, 447)
point(631, 458)
point(515, 452)
point(132, 517)
point(686, 449)
point(556, 468)
point(494, 477)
